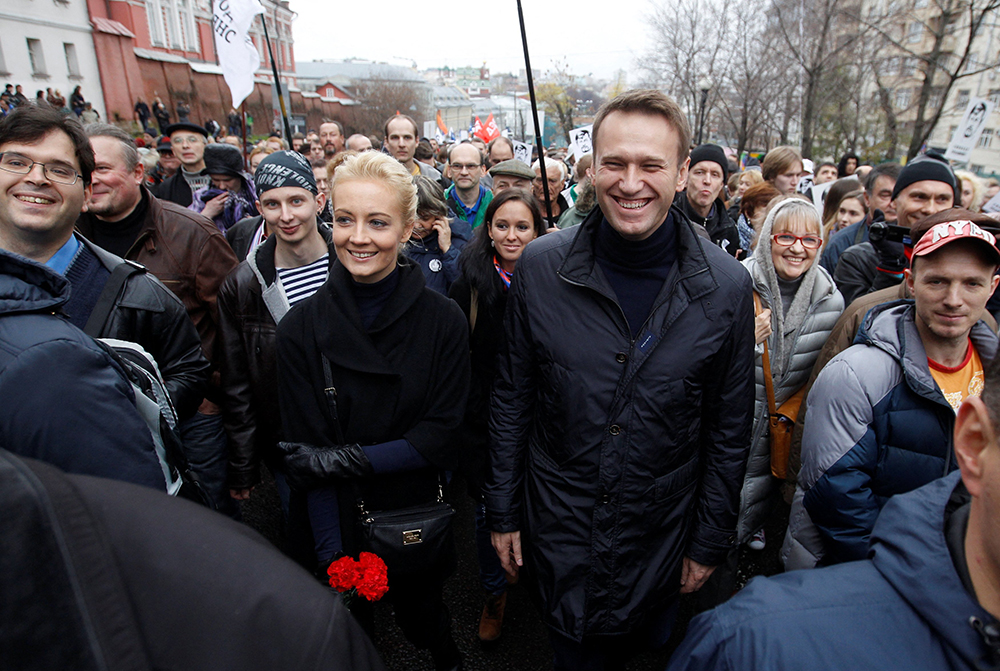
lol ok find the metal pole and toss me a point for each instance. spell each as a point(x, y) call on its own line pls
point(277, 83)
point(534, 115)
point(243, 127)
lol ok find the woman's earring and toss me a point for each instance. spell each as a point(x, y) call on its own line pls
point(492, 243)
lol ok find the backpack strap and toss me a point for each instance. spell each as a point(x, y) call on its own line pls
point(109, 294)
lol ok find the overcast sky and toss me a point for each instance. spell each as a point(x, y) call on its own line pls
point(598, 37)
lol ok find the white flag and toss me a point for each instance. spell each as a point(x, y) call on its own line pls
point(238, 56)
point(966, 135)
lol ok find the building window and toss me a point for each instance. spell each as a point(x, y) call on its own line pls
point(909, 67)
point(173, 29)
point(915, 32)
point(972, 63)
point(902, 98)
point(154, 16)
point(986, 139)
point(189, 33)
point(891, 66)
point(962, 99)
point(37, 57)
point(72, 64)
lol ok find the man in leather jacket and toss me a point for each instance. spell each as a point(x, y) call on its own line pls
point(144, 311)
point(189, 255)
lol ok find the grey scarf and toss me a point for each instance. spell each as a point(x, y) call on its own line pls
point(783, 326)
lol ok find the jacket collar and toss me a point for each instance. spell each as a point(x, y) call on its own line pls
point(692, 268)
point(26, 286)
point(892, 328)
point(261, 263)
point(345, 342)
point(85, 223)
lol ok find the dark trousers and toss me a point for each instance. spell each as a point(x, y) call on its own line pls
point(611, 654)
point(418, 603)
point(204, 439)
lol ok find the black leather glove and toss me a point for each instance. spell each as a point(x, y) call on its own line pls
point(891, 258)
point(308, 466)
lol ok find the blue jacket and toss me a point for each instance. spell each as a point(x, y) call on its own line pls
point(876, 425)
point(904, 608)
point(64, 399)
point(440, 269)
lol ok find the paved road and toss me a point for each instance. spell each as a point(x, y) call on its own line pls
point(524, 645)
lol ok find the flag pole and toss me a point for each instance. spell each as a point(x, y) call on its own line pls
point(534, 116)
point(277, 83)
point(243, 127)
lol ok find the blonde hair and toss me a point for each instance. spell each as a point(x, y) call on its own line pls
point(978, 189)
point(374, 166)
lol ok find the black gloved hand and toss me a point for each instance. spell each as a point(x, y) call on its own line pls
point(308, 466)
point(891, 258)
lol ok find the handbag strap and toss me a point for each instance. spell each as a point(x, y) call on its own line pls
point(330, 392)
point(109, 294)
point(768, 378)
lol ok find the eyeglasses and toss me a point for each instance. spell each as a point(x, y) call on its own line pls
point(787, 240)
point(465, 167)
point(185, 139)
point(22, 165)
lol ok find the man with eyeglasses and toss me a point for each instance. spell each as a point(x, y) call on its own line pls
point(879, 417)
point(188, 141)
point(63, 401)
point(466, 197)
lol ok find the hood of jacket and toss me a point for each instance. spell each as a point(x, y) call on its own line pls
point(891, 328)
point(26, 286)
point(261, 262)
point(908, 548)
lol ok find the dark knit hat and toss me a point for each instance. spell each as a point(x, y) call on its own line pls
point(223, 159)
point(923, 168)
point(711, 152)
point(284, 168)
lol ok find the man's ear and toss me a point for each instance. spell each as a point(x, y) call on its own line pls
point(974, 433)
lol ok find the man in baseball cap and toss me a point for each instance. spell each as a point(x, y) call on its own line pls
point(881, 412)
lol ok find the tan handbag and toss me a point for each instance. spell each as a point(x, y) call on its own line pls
point(781, 420)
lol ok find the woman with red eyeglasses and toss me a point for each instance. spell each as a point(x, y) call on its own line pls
point(797, 304)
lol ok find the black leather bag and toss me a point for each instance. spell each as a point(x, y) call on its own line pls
point(412, 540)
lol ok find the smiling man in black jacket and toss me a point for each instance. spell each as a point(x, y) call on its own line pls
point(621, 413)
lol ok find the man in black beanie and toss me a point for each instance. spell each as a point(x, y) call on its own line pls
point(926, 185)
point(702, 201)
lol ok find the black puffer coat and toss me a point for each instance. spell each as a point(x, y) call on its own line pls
point(617, 458)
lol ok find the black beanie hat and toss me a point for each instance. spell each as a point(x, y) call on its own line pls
point(223, 159)
point(284, 168)
point(711, 152)
point(926, 167)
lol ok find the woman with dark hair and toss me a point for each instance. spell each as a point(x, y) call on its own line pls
point(373, 373)
point(437, 239)
point(513, 219)
point(848, 164)
point(831, 205)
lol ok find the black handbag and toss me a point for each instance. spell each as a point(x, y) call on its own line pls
point(410, 540)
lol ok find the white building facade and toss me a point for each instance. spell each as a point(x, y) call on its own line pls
point(49, 44)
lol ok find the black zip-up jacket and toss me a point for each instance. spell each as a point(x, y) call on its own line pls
point(147, 313)
point(721, 229)
point(615, 458)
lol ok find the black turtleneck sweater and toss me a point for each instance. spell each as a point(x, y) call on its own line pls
point(118, 236)
point(636, 269)
point(371, 298)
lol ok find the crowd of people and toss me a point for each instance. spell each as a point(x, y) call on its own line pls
point(629, 359)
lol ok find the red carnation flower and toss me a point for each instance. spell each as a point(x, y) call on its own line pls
point(343, 574)
point(372, 579)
